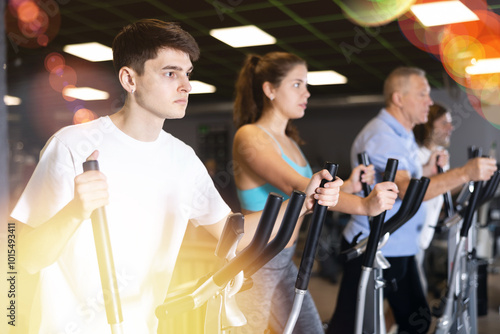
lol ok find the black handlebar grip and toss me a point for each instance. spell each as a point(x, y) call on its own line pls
point(259, 241)
point(424, 184)
point(471, 207)
point(378, 221)
point(290, 219)
point(473, 200)
point(363, 160)
point(401, 216)
point(448, 202)
point(489, 188)
point(105, 258)
point(317, 219)
point(232, 232)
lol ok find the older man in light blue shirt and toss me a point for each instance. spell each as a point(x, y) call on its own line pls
point(384, 138)
point(389, 135)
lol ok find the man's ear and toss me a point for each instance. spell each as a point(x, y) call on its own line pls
point(397, 99)
point(127, 76)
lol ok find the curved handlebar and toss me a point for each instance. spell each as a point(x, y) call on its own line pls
point(490, 188)
point(378, 221)
point(317, 220)
point(473, 200)
point(393, 223)
point(284, 234)
point(259, 241)
point(448, 202)
point(420, 188)
point(232, 232)
point(213, 284)
point(105, 258)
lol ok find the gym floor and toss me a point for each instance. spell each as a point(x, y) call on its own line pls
point(324, 292)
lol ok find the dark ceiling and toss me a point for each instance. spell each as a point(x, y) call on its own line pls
point(314, 29)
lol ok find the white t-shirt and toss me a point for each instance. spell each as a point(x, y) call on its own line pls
point(433, 206)
point(155, 188)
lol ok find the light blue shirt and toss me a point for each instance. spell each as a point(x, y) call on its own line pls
point(382, 138)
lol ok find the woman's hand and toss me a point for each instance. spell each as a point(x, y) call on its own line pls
point(327, 195)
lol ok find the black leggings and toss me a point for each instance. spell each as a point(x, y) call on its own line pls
point(408, 302)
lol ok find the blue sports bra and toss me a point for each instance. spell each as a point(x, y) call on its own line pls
point(255, 199)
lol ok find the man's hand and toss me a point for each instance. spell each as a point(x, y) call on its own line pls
point(327, 196)
point(381, 198)
point(480, 169)
point(91, 191)
point(438, 158)
point(359, 174)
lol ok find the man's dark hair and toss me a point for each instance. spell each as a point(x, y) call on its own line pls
point(140, 41)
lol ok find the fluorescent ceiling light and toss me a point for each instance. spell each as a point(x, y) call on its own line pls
point(90, 51)
point(11, 100)
point(85, 93)
point(318, 78)
point(443, 12)
point(239, 37)
point(484, 66)
point(199, 87)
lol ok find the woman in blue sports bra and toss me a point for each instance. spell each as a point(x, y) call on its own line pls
point(271, 91)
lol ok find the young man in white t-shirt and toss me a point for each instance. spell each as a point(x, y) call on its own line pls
point(151, 183)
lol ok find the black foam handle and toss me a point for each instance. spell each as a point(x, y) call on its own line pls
point(424, 184)
point(448, 202)
point(400, 217)
point(105, 258)
point(284, 234)
point(317, 219)
point(363, 160)
point(471, 207)
point(473, 200)
point(232, 232)
point(376, 226)
point(490, 188)
point(259, 241)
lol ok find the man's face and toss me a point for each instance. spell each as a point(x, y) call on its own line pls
point(416, 100)
point(163, 88)
point(441, 130)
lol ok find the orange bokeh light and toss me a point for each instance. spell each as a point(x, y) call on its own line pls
point(28, 11)
point(53, 60)
point(62, 76)
point(83, 115)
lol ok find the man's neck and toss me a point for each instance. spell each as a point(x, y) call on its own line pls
point(136, 125)
point(399, 115)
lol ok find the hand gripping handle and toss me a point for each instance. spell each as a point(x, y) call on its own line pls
point(105, 258)
point(317, 219)
point(378, 221)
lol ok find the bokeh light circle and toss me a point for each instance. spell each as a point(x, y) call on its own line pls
point(53, 60)
point(28, 11)
point(372, 13)
point(62, 76)
point(83, 115)
point(32, 23)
